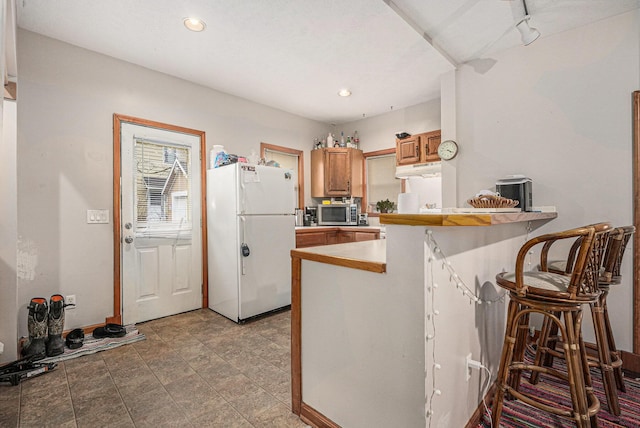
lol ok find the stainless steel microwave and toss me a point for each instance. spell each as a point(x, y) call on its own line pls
point(338, 215)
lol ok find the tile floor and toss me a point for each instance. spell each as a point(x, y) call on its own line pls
point(194, 369)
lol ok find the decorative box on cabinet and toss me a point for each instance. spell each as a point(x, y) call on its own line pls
point(336, 172)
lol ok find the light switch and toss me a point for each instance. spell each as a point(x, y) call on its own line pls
point(97, 216)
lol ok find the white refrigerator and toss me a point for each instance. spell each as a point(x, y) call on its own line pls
point(250, 234)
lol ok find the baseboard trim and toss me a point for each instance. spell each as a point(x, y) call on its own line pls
point(311, 416)
point(630, 361)
point(117, 319)
point(476, 418)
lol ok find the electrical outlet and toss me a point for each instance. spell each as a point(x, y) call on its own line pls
point(469, 365)
point(70, 300)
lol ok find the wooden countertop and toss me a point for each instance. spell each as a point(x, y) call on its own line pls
point(463, 219)
point(371, 255)
point(366, 255)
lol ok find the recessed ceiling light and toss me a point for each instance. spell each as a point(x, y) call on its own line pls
point(344, 92)
point(194, 24)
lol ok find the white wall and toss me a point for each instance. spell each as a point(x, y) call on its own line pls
point(429, 190)
point(378, 132)
point(67, 98)
point(559, 111)
point(8, 207)
point(8, 231)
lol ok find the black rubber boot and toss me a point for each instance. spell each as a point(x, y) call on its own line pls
point(37, 325)
point(55, 344)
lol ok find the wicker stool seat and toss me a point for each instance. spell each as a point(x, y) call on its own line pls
point(559, 299)
point(607, 357)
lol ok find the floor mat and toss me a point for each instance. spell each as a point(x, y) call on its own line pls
point(92, 345)
point(517, 414)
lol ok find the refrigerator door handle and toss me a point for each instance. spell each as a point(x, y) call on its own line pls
point(242, 231)
point(242, 193)
point(245, 250)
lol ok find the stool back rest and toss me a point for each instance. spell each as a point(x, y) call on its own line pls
point(618, 240)
point(571, 257)
point(595, 260)
point(585, 264)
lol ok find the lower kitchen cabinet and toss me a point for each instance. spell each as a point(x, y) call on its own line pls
point(313, 237)
point(344, 237)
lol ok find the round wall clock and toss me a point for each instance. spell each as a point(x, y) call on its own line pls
point(448, 149)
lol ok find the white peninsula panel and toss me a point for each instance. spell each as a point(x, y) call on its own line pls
point(382, 339)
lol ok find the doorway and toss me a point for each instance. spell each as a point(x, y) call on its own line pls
point(636, 222)
point(159, 220)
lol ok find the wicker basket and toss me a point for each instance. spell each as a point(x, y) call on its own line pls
point(492, 201)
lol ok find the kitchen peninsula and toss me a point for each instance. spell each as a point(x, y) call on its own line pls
point(381, 329)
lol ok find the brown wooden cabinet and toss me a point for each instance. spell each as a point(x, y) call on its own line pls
point(333, 235)
point(344, 237)
point(336, 172)
point(408, 150)
point(430, 142)
point(366, 236)
point(310, 239)
point(419, 148)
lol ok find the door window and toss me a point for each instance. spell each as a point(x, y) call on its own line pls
point(162, 189)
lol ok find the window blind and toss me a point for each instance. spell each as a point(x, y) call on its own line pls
point(381, 179)
point(162, 189)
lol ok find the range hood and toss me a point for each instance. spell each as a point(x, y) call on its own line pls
point(431, 169)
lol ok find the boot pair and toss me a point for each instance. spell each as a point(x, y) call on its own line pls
point(45, 321)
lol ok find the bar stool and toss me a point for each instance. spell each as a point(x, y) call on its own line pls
point(607, 357)
point(558, 298)
point(605, 284)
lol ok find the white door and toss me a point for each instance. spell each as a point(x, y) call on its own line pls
point(161, 243)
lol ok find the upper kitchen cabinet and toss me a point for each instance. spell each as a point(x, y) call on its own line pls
point(336, 172)
point(418, 148)
point(408, 150)
point(429, 142)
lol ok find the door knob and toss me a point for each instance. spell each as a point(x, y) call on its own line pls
point(128, 239)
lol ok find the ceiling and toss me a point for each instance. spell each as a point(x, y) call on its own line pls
point(295, 55)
